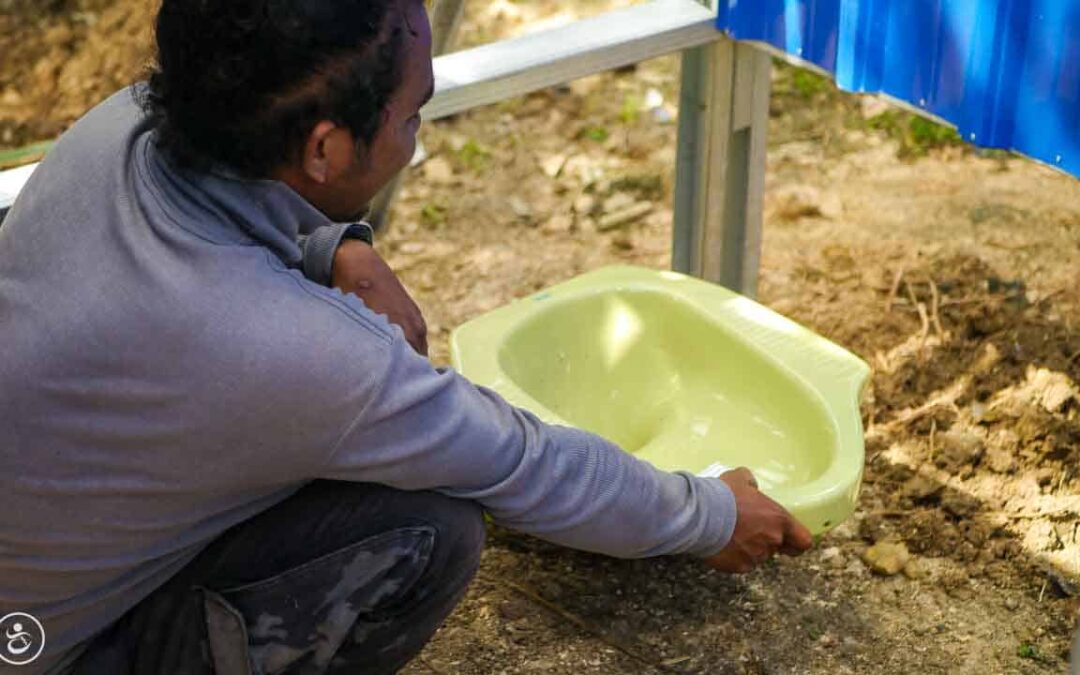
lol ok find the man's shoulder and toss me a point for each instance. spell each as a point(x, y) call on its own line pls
point(110, 123)
point(275, 311)
point(91, 154)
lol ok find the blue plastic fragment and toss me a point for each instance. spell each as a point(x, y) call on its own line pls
point(1005, 72)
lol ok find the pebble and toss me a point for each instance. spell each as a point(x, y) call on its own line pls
point(886, 558)
point(438, 171)
point(915, 569)
point(617, 202)
point(958, 448)
point(553, 165)
point(626, 216)
point(1011, 604)
point(521, 208)
point(999, 460)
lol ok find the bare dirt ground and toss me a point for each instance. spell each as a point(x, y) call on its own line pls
point(954, 273)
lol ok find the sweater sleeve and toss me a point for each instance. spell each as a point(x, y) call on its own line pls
point(427, 428)
point(317, 250)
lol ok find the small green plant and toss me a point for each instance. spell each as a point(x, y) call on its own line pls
point(929, 134)
point(631, 109)
point(917, 135)
point(473, 155)
point(814, 629)
point(598, 134)
point(432, 215)
point(1026, 650)
point(809, 84)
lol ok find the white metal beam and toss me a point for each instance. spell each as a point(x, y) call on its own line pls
point(501, 70)
point(11, 184)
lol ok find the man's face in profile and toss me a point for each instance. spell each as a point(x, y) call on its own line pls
point(393, 146)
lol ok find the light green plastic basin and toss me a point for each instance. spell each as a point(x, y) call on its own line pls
point(686, 375)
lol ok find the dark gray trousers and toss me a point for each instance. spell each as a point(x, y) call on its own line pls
point(338, 578)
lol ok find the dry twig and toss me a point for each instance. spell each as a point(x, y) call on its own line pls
point(894, 289)
point(924, 331)
point(933, 439)
point(935, 305)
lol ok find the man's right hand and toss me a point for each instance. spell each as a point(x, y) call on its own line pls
point(762, 529)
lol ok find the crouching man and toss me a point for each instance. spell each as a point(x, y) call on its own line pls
point(223, 449)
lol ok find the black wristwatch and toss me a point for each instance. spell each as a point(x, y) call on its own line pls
point(362, 231)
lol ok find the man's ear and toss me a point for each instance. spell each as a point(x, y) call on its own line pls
point(329, 151)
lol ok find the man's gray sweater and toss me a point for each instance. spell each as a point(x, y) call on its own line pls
point(167, 372)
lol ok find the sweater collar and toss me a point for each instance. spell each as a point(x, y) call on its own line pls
point(223, 207)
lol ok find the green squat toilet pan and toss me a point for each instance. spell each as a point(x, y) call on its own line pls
point(686, 375)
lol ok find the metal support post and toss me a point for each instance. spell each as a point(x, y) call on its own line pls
point(720, 170)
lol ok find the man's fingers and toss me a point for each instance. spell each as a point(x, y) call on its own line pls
point(740, 475)
point(797, 539)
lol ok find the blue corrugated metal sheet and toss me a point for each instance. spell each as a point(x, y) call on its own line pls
point(1005, 72)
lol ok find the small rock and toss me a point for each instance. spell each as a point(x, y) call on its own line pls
point(1046, 475)
point(999, 460)
point(855, 569)
point(617, 202)
point(797, 152)
point(886, 558)
point(1054, 389)
point(438, 171)
point(831, 206)
point(59, 36)
point(916, 569)
point(1011, 604)
point(988, 358)
point(10, 97)
point(921, 488)
point(624, 217)
point(584, 205)
point(520, 208)
point(978, 411)
point(872, 106)
point(553, 165)
point(957, 449)
point(792, 202)
point(560, 223)
point(833, 557)
point(959, 504)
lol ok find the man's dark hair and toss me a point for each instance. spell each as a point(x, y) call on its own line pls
point(243, 82)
